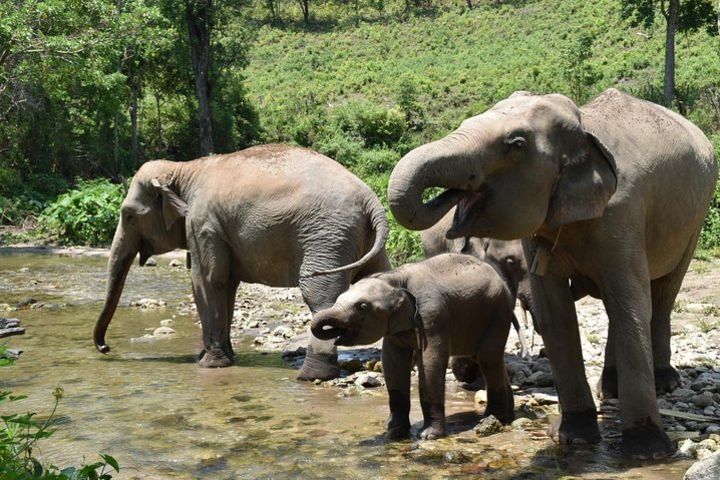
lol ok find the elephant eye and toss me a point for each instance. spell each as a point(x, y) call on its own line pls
point(516, 141)
point(362, 306)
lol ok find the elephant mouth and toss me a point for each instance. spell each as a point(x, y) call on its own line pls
point(470, 205)
point(146, 252)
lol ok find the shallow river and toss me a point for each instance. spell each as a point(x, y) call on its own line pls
point(161, 416)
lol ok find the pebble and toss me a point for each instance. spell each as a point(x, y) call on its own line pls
point(160, 331)
point(488, 426)
point(166, 322)
point(368, 381)
point(703, 400)
point(481, 396)
point(151, 262)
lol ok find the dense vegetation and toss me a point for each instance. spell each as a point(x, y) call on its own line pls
point(96, 87)
point(19, 438)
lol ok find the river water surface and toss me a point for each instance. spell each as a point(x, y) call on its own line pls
point(160, 416)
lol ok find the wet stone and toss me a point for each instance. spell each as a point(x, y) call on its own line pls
point(488, 426)
point(703, 400)
point(163, 331)
point(368, 381)
point(151, 262)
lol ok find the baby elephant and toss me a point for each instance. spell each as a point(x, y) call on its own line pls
point(450, 304)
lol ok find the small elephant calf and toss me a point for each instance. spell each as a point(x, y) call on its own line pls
point(446, 305)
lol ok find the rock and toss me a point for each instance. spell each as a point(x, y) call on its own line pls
point(175, 263)
point(541, 379)
point(351, 366)
point(488, 426)
point(260, 340)
point(683, 393)
point(160, 331)
point(148, 303)
point(664, 404)
point(703, 400)
point(481, 396)
point(521, 423)
point(367, 381)
point(151, 262)
point(456, 457)
point(688, 448)
point(24, 270)
point(713, 428)
point(166, 322)
point(283, 331)
point(378, 367)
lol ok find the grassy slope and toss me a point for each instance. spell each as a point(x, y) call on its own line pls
point(461, 62)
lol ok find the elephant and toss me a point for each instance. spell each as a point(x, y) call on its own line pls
point(612, 196)
point(279, 215)
point(506, 256)
point(446, 305)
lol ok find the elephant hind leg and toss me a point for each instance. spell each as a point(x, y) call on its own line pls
point(320, 293)
point(664, 291)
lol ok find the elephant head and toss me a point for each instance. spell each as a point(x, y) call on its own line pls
point(151, 222)
point(369, 310)
point(526, 163)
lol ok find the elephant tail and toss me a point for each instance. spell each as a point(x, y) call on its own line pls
point(379, 222)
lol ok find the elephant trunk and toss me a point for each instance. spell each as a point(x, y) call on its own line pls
point(328, 324)
point(379, 222)
point(446, 163)
point(122, 253)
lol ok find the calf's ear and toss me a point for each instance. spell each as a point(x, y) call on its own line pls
point(404, 314)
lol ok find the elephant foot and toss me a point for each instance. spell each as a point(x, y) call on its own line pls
point(667, 379)
point(433, 432)
point(397, 429)
point(575, 428)
point(646, 441)
point(319, 366)
point(214, 359)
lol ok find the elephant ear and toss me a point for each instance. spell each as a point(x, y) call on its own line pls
point(404, 315)
point(585, 184)
point(173, 207)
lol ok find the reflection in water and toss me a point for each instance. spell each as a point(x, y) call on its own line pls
point(161, 416)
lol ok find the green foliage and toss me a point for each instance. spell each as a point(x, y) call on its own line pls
point(19, 437)
point(710, 235)
point(86, 215)
point(694, 14)
point(372, 124)
point(579, 73)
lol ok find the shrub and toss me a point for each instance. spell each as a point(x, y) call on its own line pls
point(710, 234)
point(374, 125)
point(86, 215)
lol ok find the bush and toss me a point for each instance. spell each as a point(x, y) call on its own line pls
point(374, 125)
point(710, 235)
point(86, 215)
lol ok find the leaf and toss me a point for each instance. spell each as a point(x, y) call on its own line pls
point(110, 460)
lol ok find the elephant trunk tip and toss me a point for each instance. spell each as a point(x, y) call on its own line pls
point(102, 347)
point(327, 328)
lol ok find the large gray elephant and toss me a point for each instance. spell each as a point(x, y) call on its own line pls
point(612, 195)
point(271, 214)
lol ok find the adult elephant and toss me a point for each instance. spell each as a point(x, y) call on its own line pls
point(612, 195)
point(271, 214)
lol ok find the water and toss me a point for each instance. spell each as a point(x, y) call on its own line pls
point(161, 416)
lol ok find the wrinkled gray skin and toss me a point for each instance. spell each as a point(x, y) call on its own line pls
point(271, 214)
point(506, 256)
point(447, 305)
point(621, 187)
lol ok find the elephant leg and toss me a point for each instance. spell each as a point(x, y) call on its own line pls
point(524, 350)
point(627, 299)
point(491, 358)
point(432, 363)
point(467, 371)
point(397, 360)
point(608, 382)
point(554, 310)
point(212, 286)
point(320, 293)
point(664, 292)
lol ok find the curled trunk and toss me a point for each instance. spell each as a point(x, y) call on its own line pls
point(124, 248)
point(446, 163)
point(328, 324)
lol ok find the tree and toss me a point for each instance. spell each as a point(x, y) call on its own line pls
point(680, 16)
point(305, 7)
point(199, 18)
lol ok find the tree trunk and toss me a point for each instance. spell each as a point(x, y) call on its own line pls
point(304, 5)
point(161, 141)
point(271, 6)
point(469, 4)
point(672, 17)
point(199, 22)
point(134, 153)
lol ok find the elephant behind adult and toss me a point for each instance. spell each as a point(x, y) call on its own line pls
point(612, 195)
point(271, 214)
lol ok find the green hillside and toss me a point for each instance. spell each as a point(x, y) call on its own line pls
point(367, 94)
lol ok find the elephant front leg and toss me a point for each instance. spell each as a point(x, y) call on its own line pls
point(212, 289)
point(555, 310)
point(432, 363)
point(627, 298)
point(397, 364)
point(491, 358)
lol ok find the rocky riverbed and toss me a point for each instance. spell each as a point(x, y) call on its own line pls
point(276, 319)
